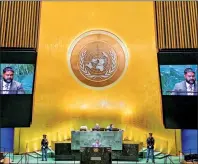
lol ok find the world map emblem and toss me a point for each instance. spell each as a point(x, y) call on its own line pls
point(97, 58)
point(96, 150)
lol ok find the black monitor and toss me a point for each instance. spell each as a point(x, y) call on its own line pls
point(17, 70)
point(178, 72)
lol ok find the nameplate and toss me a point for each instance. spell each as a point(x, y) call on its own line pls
point(95, 158)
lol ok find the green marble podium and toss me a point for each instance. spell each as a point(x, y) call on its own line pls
point(111, 139)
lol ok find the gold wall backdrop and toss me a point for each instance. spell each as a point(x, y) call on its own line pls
point(19, 23)
point(62, 104)
point(176, 24)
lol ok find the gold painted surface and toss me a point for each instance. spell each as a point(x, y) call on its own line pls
point(62, 104)
point(97, 59)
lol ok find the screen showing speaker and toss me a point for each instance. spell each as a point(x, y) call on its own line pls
point(17, 76)
point(178, 80)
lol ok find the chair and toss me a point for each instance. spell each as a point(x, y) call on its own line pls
point(93, 129)
point(102, 129)
point(115, 129)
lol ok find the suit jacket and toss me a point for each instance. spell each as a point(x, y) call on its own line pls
point(181, 89)
point(150, 143)
point(15, 88)
point(109, 128)
point(44, 143)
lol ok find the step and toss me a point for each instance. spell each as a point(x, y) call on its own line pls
point(157, 153)
point(34, 155)
point(143, 150)
point(49, 153)
point(163, 156)
point(39, 153)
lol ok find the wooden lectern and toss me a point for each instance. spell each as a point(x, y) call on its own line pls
point(95, 155)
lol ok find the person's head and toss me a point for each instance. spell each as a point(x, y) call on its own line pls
point(111, 125)
point(189, 75)
point(44, 136)
point(8, 74)
point(97, 141)
point(97, 125)
point(150, 134)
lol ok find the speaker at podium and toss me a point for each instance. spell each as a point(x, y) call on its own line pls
point(95, 155)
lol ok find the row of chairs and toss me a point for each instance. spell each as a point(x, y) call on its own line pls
point(101, 129)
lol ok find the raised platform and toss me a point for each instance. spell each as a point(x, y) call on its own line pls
point(32, 160)
point(130, 151)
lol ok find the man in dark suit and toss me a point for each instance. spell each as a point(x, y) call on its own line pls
point(150, 148)
point(187, 87)
point(8, 85)
point(44, 147)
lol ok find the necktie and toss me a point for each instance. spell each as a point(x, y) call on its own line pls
point(7, 87)
point(6, 90)
point(191, 89)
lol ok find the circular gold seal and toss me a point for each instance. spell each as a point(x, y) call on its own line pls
point(97, 58)
point(96, 150)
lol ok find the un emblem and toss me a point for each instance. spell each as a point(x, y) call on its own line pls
point(97, 58)
point(96, 150)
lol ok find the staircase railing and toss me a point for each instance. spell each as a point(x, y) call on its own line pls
point(7, 153)
point(21, 159)
point(168, 158)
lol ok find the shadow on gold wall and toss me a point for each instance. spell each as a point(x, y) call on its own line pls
point(62, 104)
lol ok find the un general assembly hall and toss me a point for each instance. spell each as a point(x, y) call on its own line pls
point(98, 82)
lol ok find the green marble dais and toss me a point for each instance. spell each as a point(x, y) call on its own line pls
point(111, 139)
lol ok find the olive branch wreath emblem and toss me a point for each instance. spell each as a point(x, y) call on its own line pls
point(107, 74)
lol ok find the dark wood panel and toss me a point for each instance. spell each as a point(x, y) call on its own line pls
point(176, 24)
point(19, 23)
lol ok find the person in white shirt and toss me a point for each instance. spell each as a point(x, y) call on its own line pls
point(110, 127)
point(83, 128)
point(187, 87)
point(8, 85)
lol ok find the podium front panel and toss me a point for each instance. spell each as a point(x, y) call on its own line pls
point(90, 155)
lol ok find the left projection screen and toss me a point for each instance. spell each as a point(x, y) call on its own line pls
point(17, 78)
